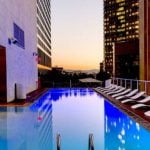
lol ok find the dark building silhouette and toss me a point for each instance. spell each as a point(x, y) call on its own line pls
point(126, 59)
point(102, 66)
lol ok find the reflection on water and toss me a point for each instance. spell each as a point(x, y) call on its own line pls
point(74, 113)
point(27, 128)
point(122, 133)
point(57, 94)
point(76, 116)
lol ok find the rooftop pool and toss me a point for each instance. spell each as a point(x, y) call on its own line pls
point(74, 114)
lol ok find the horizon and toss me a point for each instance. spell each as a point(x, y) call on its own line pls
point(75, 69)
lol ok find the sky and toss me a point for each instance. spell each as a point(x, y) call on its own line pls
point(77, 33)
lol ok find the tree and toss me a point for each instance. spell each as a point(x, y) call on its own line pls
point(103, 75)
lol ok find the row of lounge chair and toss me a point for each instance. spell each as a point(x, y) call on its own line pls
point(135, 98)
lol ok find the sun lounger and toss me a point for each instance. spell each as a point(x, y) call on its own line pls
point(115, 92)
point(137, 106)
point(134, 97)
point(147, 113)
point(127, 95)
point(112, 90)
point(122, 93)
point(102, 88)
point(145, 100)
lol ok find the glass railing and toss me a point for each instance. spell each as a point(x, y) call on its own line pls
point(133, 84)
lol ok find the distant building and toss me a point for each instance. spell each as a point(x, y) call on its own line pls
point(121, 24)
point(44, 35)
point(18, 73)
point(58, 69)
point(101, 67)
point(145, 41)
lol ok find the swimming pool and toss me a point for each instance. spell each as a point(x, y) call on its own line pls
point(74, 113)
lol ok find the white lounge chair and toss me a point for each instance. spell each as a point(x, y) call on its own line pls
point(112, 90)
point(134, 97)
point(147, 113)
point(122, 93)
point(145, 100)
point(106, 88)
point(136, 106)
point(127, 95)
point(116, 92)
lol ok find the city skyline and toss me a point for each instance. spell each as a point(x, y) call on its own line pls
point(77, 34)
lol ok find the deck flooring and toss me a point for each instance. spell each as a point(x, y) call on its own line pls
point(31, 97)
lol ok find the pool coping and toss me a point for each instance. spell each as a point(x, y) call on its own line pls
point(31, 98)
point(136, 115)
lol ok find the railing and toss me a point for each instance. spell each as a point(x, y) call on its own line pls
point(91, 142)
point(133, 84)
point(58, 141)
point(69, 84)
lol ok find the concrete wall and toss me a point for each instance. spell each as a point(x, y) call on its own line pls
point(21, 64)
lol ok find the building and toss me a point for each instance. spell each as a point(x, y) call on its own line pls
point(44, 35)
point(18, 42)
point(126, 59)
point(57, 69)
point(145, 42)
point(121, 24)
point(101, 66)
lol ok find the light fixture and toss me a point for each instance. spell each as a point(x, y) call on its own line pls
point(35, 54)
point(12, 40)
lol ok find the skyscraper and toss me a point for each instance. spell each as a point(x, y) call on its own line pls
point(121, 25)
point(44, 35)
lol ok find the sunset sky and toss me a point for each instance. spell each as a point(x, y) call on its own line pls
point(77, 33)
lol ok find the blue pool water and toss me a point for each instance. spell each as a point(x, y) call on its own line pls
point(74, 113)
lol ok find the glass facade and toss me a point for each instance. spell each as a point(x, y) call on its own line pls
point(44, 33)
point(121, 24)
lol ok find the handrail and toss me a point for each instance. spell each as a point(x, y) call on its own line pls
point(58, 140)
point(91, 142)
point(132, 83)
point(130, 79)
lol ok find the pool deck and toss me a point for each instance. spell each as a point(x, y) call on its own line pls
point(137, 114)
point(31, 97)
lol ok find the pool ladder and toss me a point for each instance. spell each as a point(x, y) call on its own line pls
point(58, 140)
point(91, 142)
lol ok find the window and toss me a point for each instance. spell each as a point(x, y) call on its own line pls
point(19, 35)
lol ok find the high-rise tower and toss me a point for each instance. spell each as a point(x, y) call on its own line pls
point(44, 35)
point(121, 25)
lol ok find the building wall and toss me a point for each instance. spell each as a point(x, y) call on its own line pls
point(21, 64)
point(145, 41)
